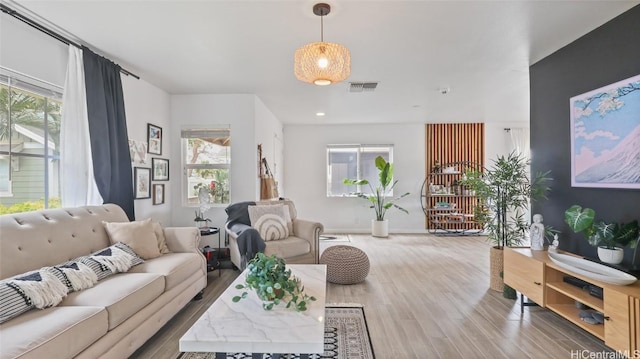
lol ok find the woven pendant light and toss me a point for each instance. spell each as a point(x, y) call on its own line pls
point(322, 63)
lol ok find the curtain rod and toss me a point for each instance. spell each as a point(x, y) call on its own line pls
point(9, 11)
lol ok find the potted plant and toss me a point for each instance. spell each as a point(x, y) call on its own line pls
point(380, 202)
point(504, 192)
point(273, 284)
point(609, 237)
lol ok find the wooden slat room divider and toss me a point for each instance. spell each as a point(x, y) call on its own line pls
point(459, 146)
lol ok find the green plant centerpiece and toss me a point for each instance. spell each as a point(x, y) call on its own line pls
point(504, 192)
point(273, 283)
point(609, 237)
point(379, 195)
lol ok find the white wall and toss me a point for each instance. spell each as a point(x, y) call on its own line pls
point(31, 52)
point(270, 133)
point(145, 103)
point(306, 174)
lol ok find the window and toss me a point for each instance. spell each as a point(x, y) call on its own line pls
point(206, 163)
point(30, 118)
point(355, 162)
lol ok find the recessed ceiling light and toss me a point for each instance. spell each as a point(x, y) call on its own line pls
point(319, 114)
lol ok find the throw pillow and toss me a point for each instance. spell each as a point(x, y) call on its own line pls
point(287, 218)
point(41, 288)
point(162, 240)
point(77, 275)
point(97, 263)
point(12, 302)
point(269, 221)
point(138, 235)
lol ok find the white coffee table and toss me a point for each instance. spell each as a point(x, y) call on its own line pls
point(245, 327)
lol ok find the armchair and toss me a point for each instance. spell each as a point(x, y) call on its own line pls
point(301, 247)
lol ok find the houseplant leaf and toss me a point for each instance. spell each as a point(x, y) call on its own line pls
point(579, 219)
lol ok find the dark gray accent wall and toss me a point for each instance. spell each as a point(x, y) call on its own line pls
point(606, 55)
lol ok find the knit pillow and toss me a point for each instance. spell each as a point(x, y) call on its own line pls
point(269, 221)
point(75, 275)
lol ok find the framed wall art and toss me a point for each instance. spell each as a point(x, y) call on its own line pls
point(159, 169)
point(142, 182)
point(154, 139)
point(605, 136)
point(158, 194)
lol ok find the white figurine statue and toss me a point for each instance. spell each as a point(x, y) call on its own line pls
point(536, 233)
point(555, 243)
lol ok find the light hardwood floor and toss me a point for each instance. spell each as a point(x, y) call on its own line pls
point(425, 297)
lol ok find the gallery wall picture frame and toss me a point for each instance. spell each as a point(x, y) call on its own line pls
point(158, 194)
point(605, 129)
point(159, 169)
point(142, 182)
point(154, 139)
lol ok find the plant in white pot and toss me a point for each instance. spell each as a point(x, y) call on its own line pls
point(379, 196)
point(609, 237)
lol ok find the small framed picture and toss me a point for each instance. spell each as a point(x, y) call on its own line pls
point(159, 169)
point(158, 194)
point(154, 139)
point(142, 182)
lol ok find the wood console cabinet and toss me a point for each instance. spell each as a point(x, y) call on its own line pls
point(533, 274)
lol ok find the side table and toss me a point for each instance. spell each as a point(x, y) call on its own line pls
point(215, 265)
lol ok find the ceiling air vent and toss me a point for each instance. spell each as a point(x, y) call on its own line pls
point(362, 86)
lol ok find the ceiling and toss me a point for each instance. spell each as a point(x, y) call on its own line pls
point(480, 50)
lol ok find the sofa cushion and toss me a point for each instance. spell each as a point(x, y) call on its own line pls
point(175, 267)
point(270, 221)
point(290, 247)
point(59, 332)
point(162, 240)
point(138, 235)
point(122, 295)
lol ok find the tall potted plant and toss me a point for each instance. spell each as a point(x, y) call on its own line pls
point(380, 201)
point(609, 237)
point(504, 192)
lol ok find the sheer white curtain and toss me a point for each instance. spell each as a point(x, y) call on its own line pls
point(520, 142)
point(521, 145)
point(77, 181)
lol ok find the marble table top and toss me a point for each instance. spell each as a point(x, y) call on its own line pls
point(246, 327)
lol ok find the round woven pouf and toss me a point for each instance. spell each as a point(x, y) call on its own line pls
point(345, 264)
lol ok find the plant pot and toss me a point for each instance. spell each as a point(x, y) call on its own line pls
point(496, 265)
point(380, 228)
point(611, 256)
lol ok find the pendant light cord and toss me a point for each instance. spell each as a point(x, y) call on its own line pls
point(322, 27)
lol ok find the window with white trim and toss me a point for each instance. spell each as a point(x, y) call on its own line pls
point(30, 118)
point(206, 161)
point(354, 162)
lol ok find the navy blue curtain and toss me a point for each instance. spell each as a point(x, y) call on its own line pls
point(108, 131)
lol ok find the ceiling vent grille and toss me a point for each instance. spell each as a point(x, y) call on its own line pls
point(357, 87)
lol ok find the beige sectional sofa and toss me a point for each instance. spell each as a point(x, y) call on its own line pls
point(117, 315)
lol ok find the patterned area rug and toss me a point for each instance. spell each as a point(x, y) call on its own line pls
point(346, 336)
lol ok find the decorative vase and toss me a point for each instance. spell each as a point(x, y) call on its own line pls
point(496, 258)
point(611, 256)
point(380, 228)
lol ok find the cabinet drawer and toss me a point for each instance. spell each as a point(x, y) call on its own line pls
point(524, 274)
